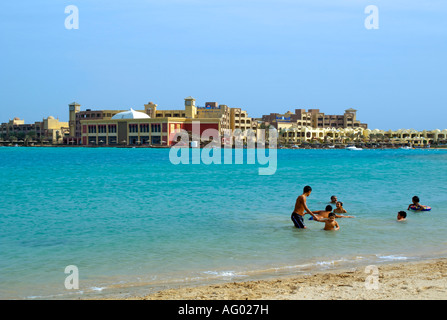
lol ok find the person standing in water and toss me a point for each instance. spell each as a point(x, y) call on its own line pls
point(301, 206)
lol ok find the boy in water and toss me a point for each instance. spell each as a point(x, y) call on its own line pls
point(330, 223)
point(401, 216)
point(339, 208)
point(325, 213)
point(416, 204)
point(301, 206)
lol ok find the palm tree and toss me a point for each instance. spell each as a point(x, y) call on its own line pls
point(58, 136)
point(29, 137)
point(12, 137)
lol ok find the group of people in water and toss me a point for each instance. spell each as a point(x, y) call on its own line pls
point(328, 215)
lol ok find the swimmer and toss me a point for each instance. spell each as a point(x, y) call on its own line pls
point(330, 223)
point(416, 204)
point(333, 199)
point(340, 208)
point(401, 216)
point(321, 214)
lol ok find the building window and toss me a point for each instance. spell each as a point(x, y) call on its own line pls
point(102, 140)
point(134, 140)
point(156, 140)
point(102, 128)
point(92, 129)
point(156, 127)
point(112, 128)
point(133, 128)
point(144, 140)
point(144, 127)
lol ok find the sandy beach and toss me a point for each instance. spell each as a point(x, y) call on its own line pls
point(422, 280)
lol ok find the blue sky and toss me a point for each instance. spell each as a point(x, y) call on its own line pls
point(262, 56)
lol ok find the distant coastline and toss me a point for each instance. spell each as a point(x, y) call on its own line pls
point(302, 146)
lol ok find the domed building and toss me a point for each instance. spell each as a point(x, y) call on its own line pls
point(131, 114)
point(146, 127)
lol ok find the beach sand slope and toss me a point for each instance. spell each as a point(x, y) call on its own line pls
point(395, 281)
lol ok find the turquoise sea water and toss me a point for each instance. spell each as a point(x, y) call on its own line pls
point(131, 221)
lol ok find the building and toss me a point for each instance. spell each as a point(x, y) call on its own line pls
point(315, 119)
point(300, 134)
point(76, 116)
point(407, 136)
point(239, 119)
point(14, 127)
point(411, 137)
point(49, 130)
point(149, 126)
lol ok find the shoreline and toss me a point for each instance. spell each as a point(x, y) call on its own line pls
point(421, 280)
point(309, 147)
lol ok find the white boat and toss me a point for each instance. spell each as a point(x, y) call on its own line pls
point(331, 147)
point(353, 148)
point(406, 148)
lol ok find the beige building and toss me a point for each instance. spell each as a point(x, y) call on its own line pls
point(407, 136)
point(49, 130)
point(239, 119)
point(54, 130)
point(300, 134)
point(150, 126)
point(315, 119)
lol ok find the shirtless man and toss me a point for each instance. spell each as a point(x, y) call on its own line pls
point(301, 206)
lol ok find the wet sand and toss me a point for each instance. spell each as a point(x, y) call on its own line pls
point(422, 280)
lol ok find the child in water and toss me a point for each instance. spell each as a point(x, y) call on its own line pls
point(401, 216)
point(325, 213)
point(416, 205)
point(330, 223)
point(339, 208)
